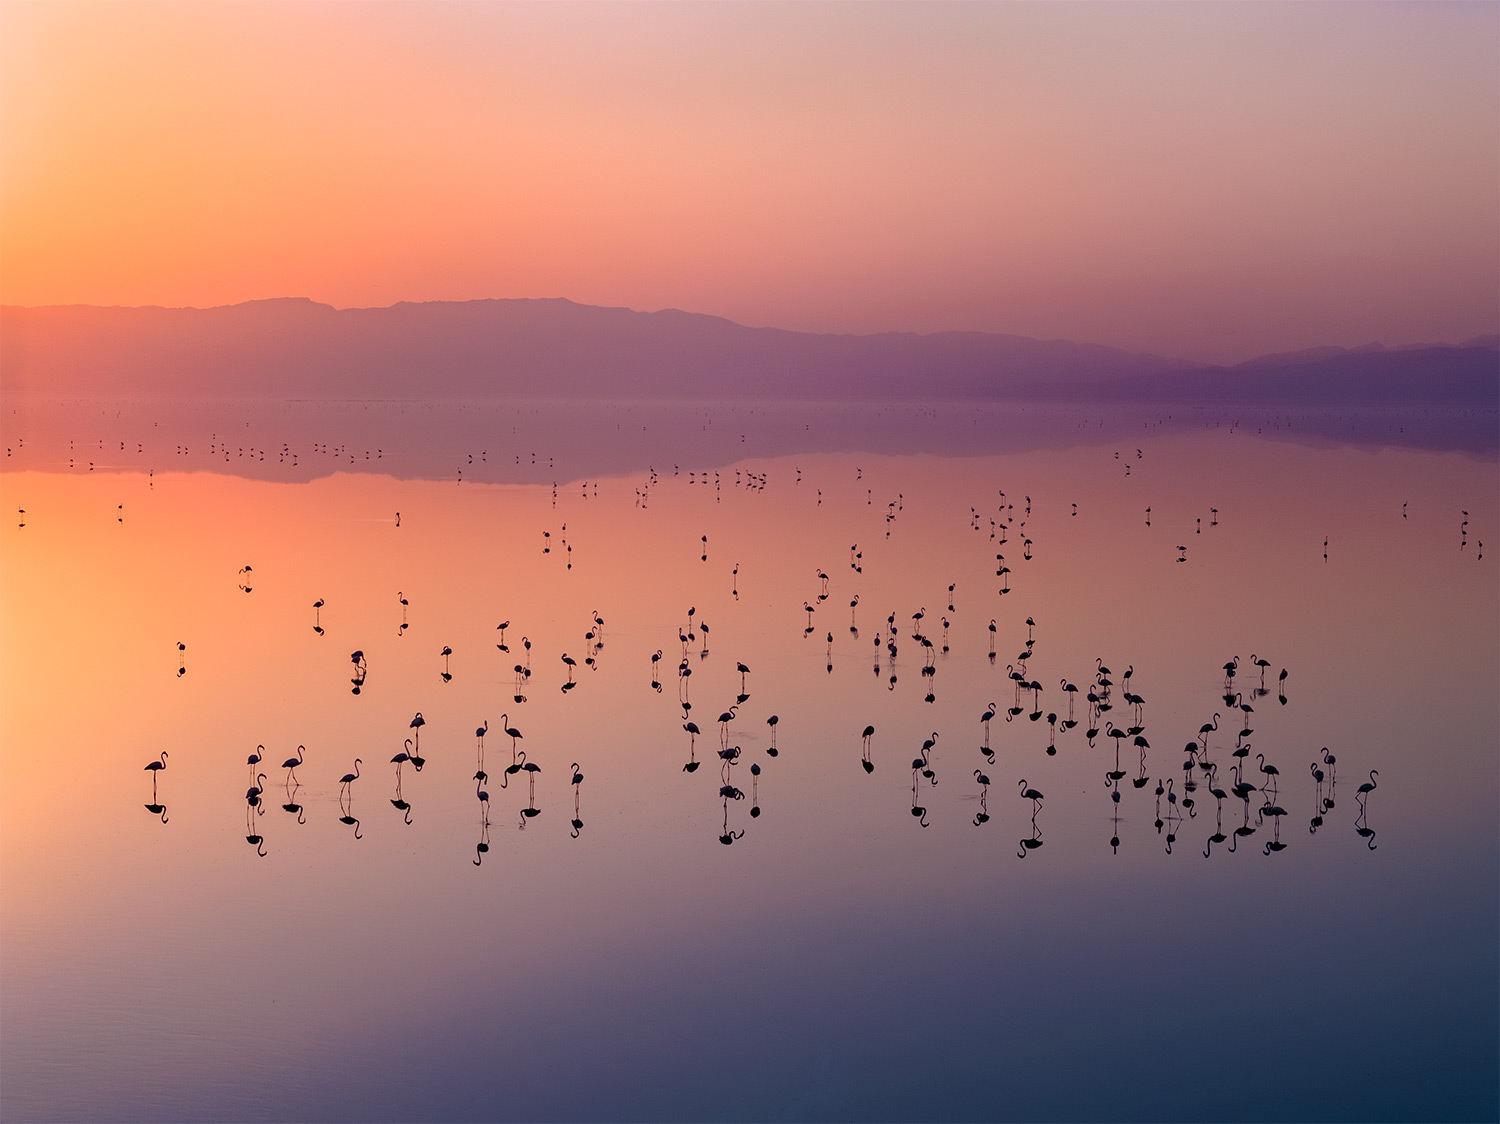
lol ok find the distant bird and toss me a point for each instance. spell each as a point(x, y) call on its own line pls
point(349, 778)
point(291, 763)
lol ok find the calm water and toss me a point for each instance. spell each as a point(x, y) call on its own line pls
point(868, 944)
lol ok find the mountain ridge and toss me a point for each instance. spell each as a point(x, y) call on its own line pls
point(557, 347)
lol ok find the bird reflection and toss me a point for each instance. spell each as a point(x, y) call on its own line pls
point(291, 807)
point(157, 809)
point(917, 810)
point(181, 659)
point(253, 795)
point(983, 815)
point(1361, 797)
point(531, 811)
point(726, 836)
point(869, 732)
point(318, 616)
point(1244, 830)
point(1274, 844)
point(360, 670)
point(482, 848)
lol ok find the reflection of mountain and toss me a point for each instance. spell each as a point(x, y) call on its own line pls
point(493, 348)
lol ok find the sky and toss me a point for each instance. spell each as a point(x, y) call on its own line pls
point(1206, 181)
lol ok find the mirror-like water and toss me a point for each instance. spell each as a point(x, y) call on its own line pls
point(895, 941)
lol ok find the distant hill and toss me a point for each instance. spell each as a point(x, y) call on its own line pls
point(1463, 375)
point(496, 349)
point(512, 348)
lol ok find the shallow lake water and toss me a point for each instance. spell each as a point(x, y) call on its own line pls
point(857, 930)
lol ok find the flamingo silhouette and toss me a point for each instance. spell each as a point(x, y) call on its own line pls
point(155, 767)
point(291, 763)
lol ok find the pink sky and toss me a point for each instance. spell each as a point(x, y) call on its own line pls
point(1212, 180)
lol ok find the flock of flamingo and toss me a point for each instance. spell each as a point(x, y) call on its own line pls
point(1111, 713)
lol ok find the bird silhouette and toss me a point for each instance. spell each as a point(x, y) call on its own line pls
point(154, 768)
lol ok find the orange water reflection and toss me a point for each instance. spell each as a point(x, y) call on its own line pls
point(125, 934)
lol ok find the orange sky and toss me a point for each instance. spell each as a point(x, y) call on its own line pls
point(1211, 181)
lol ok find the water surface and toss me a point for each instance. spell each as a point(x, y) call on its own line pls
point(842, 956)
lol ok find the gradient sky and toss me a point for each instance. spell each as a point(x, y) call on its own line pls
point(1203, 180)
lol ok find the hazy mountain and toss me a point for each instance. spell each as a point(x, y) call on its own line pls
point(559, 349)
point(509, 348)
point(1464, 375)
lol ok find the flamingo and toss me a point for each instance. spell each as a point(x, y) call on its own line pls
point(1268, 770)
point(291, 763)
point(513, 769)
point(724, 720)
point(1030, 794)
point(349, 778)
point(1331, 761)
point(511, 732)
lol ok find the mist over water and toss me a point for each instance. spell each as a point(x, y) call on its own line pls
point(897, 941)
